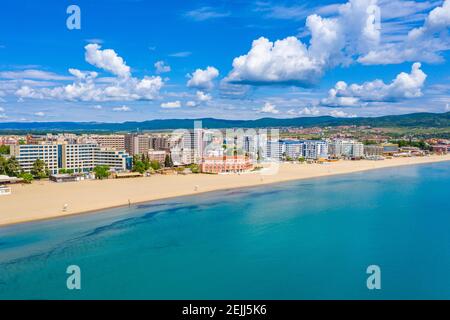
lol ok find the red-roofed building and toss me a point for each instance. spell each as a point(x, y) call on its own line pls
point(226, 164)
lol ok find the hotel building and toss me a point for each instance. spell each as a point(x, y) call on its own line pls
point(346, 148)
point(373, 150)
point(233, 164)
point(157, 155)
point(27, 154)
point(137, 144)
point(77, 157)
point(114, 141)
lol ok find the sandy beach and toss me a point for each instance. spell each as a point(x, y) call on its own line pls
point(45, 200)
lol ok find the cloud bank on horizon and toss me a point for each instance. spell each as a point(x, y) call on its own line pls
point(364, 47)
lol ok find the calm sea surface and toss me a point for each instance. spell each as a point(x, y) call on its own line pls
point(309, 239)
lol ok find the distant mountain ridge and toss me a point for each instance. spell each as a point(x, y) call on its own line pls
point(438, 120)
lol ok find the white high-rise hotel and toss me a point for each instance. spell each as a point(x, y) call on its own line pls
point(346, 148)
point(77, 157)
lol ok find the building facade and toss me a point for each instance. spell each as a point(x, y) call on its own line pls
point(27, 154)
point(113, 141)
point(76, 157)
point(137, 144)
point(226, 164)
point(346, 149)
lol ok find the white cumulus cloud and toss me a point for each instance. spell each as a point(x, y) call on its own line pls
point(171, 105)
point(333, 41)
point(106, 59)
point(425, 43)
point(88, 87)
point(203, 79)
point(161, 67)
point(342, 114)
point(122, 109)
point(203, 97)
point(269, 108)
point(404, 86)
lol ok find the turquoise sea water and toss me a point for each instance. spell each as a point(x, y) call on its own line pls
point(309, 239)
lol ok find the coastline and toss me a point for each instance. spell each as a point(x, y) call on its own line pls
point(45, 200)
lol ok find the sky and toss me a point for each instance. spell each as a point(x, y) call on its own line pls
point(136, 60)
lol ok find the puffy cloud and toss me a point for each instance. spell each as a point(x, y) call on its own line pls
point(83, 74)
point(284, 61)
point(447, 108)
point(333, 41)
point(161, 67)
point(341, 114)
point(191, 103)
point(122, 109)
point(437, 20)
point(39, 114)
point(106, 59)
point(306, 111)
point(203, 97)
point(269, 108)
point(424, 43)
point(171, 105)
point(203, 79)
point(313, 111)
point(2, 109)
point(87, 87)
point(404, 86)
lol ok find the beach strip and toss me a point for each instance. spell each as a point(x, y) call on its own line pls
point(45, 200)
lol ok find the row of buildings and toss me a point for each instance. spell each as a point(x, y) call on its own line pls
point(237, 152)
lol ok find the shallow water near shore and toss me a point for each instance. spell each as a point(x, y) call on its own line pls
point(308, 239)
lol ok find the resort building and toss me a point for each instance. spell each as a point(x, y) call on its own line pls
point(157, 155)
point(315, 149)
point(78, 157)
point(373, 150)
point(113, 141)
point(159, 143)
point(136, 144)
point(346, 149)
point(440, 149)
point(274, 150)
point(226, 164)
point(116, 160)
point(390, 148)
point(27, 154)
point(293, 149)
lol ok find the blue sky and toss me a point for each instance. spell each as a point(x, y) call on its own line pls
point(139, 60)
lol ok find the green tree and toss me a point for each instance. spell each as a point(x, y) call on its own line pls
point(39, 169)
point(155, 165)
point(12, 167)
point(27, 177)
point(101, 172)
point(139, 166)
point(168, 161)
point(301, 159)
point(4, 149)
point(2, 165)
point(194, 168)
